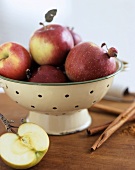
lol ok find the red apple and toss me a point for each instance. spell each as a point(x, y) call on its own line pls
point(48, 74)
point(112, 52)
point(76, 37)
point(14, 60)
point(87, 61)
point(51, 44)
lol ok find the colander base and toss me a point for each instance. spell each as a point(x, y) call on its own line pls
point(62, 124)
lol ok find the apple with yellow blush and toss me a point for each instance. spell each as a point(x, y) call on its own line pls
point(51, 44)
point(14, 61)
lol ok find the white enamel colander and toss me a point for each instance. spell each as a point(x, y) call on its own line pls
point(60, 108)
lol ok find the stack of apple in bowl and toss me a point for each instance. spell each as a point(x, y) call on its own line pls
point(56, 55)
point(59, 77)
point(57, 80)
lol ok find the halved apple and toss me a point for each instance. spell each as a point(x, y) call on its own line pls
point(25, 149)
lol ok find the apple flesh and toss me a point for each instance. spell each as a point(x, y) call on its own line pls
point(88, 61)
point(51, 44)
point(14, 60)
point(48, 74)
point(26, 149)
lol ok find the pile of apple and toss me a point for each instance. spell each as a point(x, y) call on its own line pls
point(56, 55)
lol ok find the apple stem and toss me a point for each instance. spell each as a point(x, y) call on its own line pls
point(41, 23)
point(104, 44)
point(28, 74)
point(3, 58)
point(45, 27)
point(72, 28)
point(7, 124)
point(111, 52)
point(23, 120)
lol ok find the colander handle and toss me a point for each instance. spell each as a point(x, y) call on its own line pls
point(125, 65)
point(2, 84)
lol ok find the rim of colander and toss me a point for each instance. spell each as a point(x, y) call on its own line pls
point(120, 64)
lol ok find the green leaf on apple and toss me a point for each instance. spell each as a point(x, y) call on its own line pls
point(50, 15)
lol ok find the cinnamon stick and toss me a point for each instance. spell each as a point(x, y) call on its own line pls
point(117, 123)
point(110, 109)
point(97, 129)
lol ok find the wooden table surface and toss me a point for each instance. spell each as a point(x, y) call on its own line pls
point(72, 152)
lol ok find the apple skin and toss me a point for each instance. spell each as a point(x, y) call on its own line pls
point(87, 61)
point(14, 60)
point(76, 37)
point(51, 44)
point(48, 74)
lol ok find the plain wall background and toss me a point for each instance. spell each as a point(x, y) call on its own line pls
point(97, 21)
